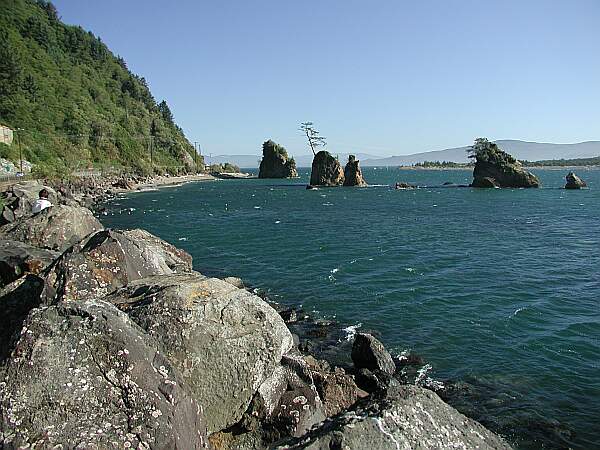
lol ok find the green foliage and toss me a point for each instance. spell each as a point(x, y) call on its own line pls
point(76, 102)
point(485, 151)
point(595, 161)
point(224, 168)
point(273, 147)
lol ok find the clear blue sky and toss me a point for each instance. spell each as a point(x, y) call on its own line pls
point(385, 77)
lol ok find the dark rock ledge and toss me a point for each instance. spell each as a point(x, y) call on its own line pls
point(115, 342)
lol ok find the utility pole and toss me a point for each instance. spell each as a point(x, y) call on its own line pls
point(152, 153)
point(195, 157)
point(20, 148)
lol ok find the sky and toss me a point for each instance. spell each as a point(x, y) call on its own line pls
point(390, 77)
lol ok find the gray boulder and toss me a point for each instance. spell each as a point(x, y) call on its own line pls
point(108, 260)
point(225, 341)
point(326, 170)
point(286, 404)
point(410, 418)
point(352, 174)
point(574, 182)
point(82, 375)
point(20, 197)
point(18, 258)
point(276, 163)
point(55, 228)
point(16, 301)
point(369, 353)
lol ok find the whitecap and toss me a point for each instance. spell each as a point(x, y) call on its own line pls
point(351, 331)
point(182, 239)
point(257, 207)
point(335, 270)
point(278, 221)
point(517, 311)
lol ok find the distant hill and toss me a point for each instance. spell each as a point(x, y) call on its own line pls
point(76, 102)
point(522, 150)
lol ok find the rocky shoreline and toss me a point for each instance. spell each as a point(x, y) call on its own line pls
point(111, 340)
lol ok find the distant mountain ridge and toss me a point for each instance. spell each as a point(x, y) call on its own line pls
point(522, 150)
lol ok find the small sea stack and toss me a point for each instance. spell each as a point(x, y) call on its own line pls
point(496, 168)
point(276, 163)
point(352, 174)
point(574, 182)
point(326, 170)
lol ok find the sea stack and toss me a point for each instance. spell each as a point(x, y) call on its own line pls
point(326, 170)
point(276, 163)
point(496, 168)
point(574, 182)
point(352, 174)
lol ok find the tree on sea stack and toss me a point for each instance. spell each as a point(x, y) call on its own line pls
point(314, 140)
point(496, 168)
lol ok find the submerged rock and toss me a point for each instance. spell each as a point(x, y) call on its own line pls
point(54, 228)
point(326, 170)
point(369, 353)
point(108, 260)
point(407, 417)
point(574, 182)
point(352, 174)
point(276, 163)
point(226, 341)
point(18, 258)
point(494, 164)
point(403, 185)
point(83, 375)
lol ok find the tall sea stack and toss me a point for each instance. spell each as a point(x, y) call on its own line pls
point(326, 170)
point(276, 163)
point(496, 168)
point(352, 174)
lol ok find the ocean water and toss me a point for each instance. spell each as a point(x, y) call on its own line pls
point(498, 290)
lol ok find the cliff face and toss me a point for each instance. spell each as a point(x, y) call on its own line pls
point(496, 168)
point(76, 101)
point(352, 174)
point(326, 170)
point(276, 163)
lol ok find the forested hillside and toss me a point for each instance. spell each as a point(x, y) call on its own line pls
point(76, 103)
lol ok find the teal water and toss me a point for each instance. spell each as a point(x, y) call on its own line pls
point(498, 290)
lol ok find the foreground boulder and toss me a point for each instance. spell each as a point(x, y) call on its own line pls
point(16, 301)
point(326, 170)
point(408, 417)
point(352, 174)
point(108, 260)
point(55, 228)
point(494, 167)
point(369, 353)
point(276, 163)
point(20, 197)
point(82, 375)
point(300, 393)
point(225, 341)
point(574, 182)
point(18, 258)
